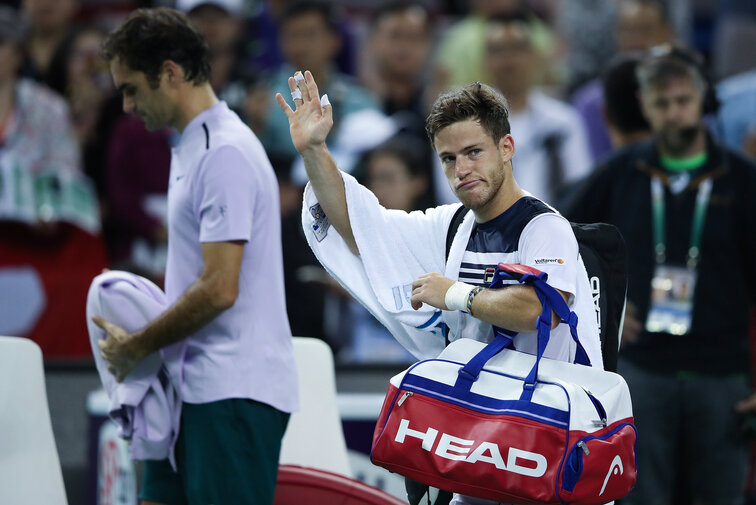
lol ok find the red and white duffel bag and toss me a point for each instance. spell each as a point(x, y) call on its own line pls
point(485, 420)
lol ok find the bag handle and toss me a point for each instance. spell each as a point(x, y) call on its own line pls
point(550, 300)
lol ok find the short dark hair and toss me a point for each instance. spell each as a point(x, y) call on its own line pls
point(398, 7)
point(412, 150)
point(149, 37)
point(326, 11)
point(621, 87)
point(668, 62)
point(475, 101)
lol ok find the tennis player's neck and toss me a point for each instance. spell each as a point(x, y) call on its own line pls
point(193, 101)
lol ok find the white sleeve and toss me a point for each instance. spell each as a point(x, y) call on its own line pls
point(548, 244)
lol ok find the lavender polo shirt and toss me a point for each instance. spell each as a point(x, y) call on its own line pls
point(222, 188)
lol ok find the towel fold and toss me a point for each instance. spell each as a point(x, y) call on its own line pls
point(145, 406)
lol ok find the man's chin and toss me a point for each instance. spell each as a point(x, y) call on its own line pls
point(469, 203)
point(680, 141)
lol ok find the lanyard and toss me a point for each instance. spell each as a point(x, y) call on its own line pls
point(699, 214)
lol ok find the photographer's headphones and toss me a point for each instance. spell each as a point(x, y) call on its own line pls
point(693, 59)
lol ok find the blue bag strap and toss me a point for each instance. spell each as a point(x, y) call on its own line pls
point(559, 306)
point(543, 332)
point(550, 300)
point(470, 372)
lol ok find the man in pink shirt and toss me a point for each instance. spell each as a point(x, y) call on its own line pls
point(224, 337)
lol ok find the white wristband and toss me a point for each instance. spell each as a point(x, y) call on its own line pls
point(456, 296)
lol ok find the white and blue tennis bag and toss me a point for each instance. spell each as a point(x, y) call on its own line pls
point(485, 420)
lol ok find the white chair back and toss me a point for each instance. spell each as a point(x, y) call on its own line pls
point(314, 436)
point(30, 471)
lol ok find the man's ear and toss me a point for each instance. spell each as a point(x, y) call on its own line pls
point(172, 72)
point(506, 147)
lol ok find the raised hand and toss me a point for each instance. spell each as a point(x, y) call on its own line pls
point(309, 121)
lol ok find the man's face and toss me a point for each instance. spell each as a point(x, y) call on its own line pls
point(641, 26)
point(392, 182)
point(219, 27)
point(674, 113)
point(151, 104)
point(509, 57)
point(307, 42)
point(473, 163)
point(50, 15)
point(401, 42)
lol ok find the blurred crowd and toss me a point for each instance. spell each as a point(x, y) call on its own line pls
point(83, 186)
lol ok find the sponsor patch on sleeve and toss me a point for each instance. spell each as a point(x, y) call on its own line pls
point(548, 261)
point(320, 222)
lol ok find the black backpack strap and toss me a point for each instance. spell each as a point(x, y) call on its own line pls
point(457, 218)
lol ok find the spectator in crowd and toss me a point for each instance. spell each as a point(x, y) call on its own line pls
point(551, 146)
point(50, 246)
point(587, 29)
point(80, 75)
point(221, 23)
point(398, 51)
point(36, 133)
point(49, 23)
point(641, 24)
point(398, 173)
point(461, 52)
point(624, 118)
point(259, 39)
point(310, 40)
point(685, 206)
point(399, 44)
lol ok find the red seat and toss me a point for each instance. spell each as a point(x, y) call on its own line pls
point(299, 484)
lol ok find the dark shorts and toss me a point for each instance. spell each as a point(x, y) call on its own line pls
point(688, 437)
point(227, 452)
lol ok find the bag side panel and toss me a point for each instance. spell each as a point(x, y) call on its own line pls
point(498, 457)
point(600, 466)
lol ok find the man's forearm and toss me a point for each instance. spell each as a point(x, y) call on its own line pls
point(515, 308)
point(192, 311)
point(328, 185)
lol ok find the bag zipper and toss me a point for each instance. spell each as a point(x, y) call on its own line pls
point(404, 397)
point(601, 421)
